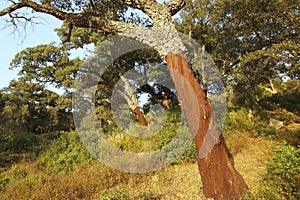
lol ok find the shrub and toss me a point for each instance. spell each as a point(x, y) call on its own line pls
point(190, 154)
point(291, 136)
point(173, 150)
point(23, 142)
point(64, 154)
point(282, 177)
point(237, 120)
point(262, 128)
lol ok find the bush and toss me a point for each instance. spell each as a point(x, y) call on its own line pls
point(23, 142)
point(291, 136)
point(190, 154)
point(64, 154)
point(237, 120)
point(283, 173)
point(264, 129)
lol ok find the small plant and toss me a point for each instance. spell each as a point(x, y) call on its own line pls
point(115, 194)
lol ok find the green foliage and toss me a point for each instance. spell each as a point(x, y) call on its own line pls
point(291, 136)
point(122, 193)
point(190, 155)
point(237, 120)
point(15, 173)
point(264, 129)
point(282, 177)
point(162, 139)
point(64, 154)
point(115, 194)
point(23, 142)
point(168, 144)
point(30, 107)
point(243, 120)
point(47, 64)
point(288, 97)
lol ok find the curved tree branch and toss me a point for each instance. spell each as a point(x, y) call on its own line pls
point(84, 20)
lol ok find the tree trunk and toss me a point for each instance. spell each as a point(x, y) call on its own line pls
point(141, 117)
point(219, 177)
point(132, 101)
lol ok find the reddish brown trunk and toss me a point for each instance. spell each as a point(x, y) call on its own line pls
point(219, 177)
point(141, 117)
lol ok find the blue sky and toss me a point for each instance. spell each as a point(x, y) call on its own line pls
point(13, 42)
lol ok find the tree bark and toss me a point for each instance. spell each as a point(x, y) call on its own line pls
point(132, 100)
point(220, 178)
point(141, 117)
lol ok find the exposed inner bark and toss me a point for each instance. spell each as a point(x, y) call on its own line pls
point(220, 178)
point(141, 117)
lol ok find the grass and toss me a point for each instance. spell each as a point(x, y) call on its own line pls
point(96, 181)
point(250, 162)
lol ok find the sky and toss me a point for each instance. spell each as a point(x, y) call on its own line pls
point(13, 41)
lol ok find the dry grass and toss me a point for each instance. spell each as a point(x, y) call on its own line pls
point(173, 182)
point(251, 161)
point(88, 181)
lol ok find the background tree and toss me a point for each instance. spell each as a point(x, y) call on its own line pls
point(268, 37)
point(255, 45)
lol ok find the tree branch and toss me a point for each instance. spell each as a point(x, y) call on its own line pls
point(132, 102)
point(272, 90)
point(12, 8)
point(148, 5)
point(140, 4)
point(175, 6)
point(84, 20)
point(69, 34)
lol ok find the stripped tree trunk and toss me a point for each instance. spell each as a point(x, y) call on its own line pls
point(130, 96)
point(219, 177)
point(141, 117)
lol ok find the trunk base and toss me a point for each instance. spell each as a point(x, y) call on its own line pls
point(220, 179)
